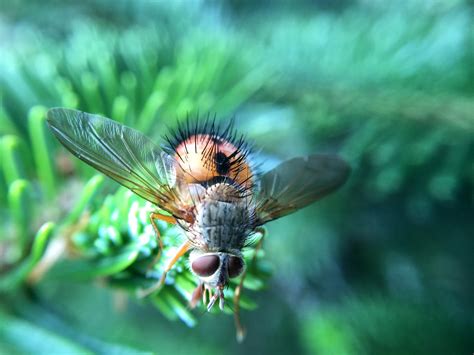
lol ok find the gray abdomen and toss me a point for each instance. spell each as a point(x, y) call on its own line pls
point(223, 225)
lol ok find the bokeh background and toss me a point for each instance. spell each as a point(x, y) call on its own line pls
point(384, 266)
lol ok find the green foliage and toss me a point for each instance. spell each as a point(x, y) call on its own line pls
point(372, 326)
point(388, 86)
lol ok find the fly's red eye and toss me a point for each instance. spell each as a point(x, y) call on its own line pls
point(235, 266)
point(205, 265)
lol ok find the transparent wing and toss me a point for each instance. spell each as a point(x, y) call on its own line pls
point(298, 182)
point(122, 153)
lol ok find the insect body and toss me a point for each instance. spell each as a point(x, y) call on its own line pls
point(222, 225)
point(205, 181)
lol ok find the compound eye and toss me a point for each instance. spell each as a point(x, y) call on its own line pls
point(235, 266)
point(205, 265)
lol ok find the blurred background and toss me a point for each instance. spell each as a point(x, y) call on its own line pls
point(383, 266)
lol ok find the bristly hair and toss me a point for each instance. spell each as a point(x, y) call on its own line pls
point(218, 132)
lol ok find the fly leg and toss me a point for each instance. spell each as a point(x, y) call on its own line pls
point(181, 251)
point(238, 290)
point(198, 292)
point(168, 219)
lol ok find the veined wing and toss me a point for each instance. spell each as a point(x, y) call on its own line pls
point(298, 182)
point(120, 152)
